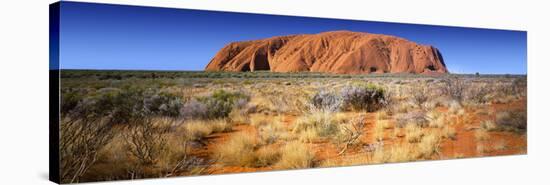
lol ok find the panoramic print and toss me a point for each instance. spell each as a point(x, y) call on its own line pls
point(150, 92)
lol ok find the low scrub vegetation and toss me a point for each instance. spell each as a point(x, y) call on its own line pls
point(239, 150)
point(296, 155)
point(512, 120)
point(129, 125)
point(367, 97)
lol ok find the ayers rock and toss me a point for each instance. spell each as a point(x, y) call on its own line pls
point(338, 52)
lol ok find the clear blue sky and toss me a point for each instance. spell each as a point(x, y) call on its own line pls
point(96, 36)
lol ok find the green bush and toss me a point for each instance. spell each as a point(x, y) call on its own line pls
point(161, 103)
point(512, 121)
point(122, 105)
point(221, 102)
point(70, 99)
point(367, 97)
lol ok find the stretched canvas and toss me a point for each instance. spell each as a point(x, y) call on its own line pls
point(147, 92)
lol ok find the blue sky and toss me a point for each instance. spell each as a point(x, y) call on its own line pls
point(99, 36)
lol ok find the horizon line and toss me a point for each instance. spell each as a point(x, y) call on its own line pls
point(190, 70)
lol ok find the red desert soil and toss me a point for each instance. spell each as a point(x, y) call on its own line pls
point(220, 138)
point(339, 52)
point(465, 144)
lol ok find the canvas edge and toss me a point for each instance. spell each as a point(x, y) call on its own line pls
point(54, 85)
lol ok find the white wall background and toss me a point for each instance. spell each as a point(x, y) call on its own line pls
point(24, 90)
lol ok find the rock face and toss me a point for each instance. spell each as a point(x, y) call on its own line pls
point(338, 52)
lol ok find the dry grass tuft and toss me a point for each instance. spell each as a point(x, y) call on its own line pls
point(309, 135)
point(295, 155)
point(383, 115)
point(448, 132)
point(456, 108)
point(274, 132)
point(488, 125)
point(500, 145)
point(481, 149)
point(360, 159)
point(380, 127)
point(429, 145)
point(267, 156)
point(238, 150)
point(414, 133)
point(197, 129)
point(259, 120)
point(400, 153)
point(321, 124)
point(436, 119)
point(481, 135)
point(221, 125)
point(239, 116)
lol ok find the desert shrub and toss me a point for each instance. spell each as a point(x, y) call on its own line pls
point(519, 86)
point(295, 101)
point(241, 103)
point(478, 94)
point(420, 95)
point(296, 155)
point(194, 109)
point(511, 121)
point(69, 100)
point(110, 77)
point(116, 105)
point(120, 158)
point(363, 97)
point(326, 101)
point(79, 143)
point(221, 102)
point(350, 132)
point(113, 161)
point(145, 141)
point(218, 109)
point(417, 118)
point(217, 105)
point(390, 101)
point(122, 105)
point(401, 107)
point(161, 103)
point(88, 127)
point(455, 88)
